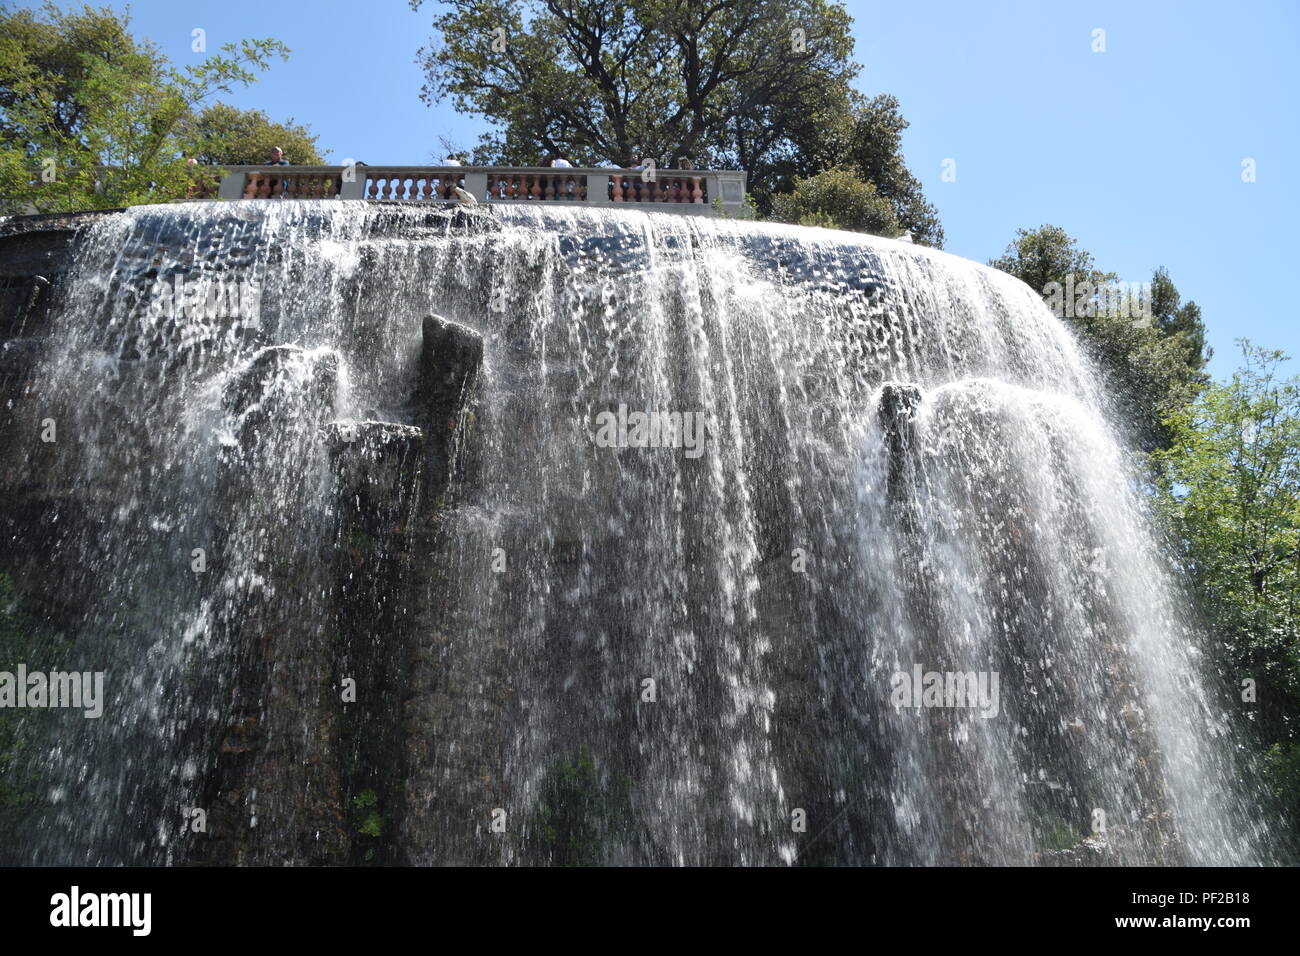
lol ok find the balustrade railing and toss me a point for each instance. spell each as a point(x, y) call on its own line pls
point(695, 191)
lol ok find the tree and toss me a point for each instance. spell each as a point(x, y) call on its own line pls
point(1039, 257)
point(837, 199)
point(1229, 488)
point(224, 135)
point(89, 116)
point(731, 82)
point(1150, 349)
point(868, 138)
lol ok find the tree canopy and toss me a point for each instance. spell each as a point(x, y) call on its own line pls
point(837, 199)
point(224, 135)
point(91, 117)
point(759, 85)
point(1151, 349)
point(1229, 487)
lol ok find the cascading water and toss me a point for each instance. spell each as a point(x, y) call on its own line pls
point(361, 599)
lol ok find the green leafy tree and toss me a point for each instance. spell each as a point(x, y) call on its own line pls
point(837, 199)
point(868, 138)
point(224, 135)
point(90, 116)
point(1039, 257)
point(758, 85)
point(1150, 349)
point(1229, 487)
point(722, 83)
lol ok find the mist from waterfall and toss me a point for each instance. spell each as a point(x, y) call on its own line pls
point(603, 649)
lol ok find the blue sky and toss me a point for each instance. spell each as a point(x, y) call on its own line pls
point(1136, 151)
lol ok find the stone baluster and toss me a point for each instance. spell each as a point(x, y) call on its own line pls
point(697, 194)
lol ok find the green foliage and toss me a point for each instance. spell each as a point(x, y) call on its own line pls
point(722, 83)
point(1280, 767)
point(579, 810)
point(90, 117)
point(1229, 486)
point(837, 199)
point(1053, 832)
point(759, 85)
point(224, 135)
point(1153, 358)
point(867, 138)
point(365, 814)
point(1039, 257)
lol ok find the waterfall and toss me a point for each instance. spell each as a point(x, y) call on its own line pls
point(407, 534)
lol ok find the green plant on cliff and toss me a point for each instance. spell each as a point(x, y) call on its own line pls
point(366, 818)
point(579, 811)
point(92, 117)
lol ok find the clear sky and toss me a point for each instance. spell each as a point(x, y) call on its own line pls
point(1136, 151)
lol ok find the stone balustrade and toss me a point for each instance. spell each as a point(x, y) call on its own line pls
point(693, 192)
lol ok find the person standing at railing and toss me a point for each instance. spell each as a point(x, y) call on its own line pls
point(564, 188)
point(277, 186)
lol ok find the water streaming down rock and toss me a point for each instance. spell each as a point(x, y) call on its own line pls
point(616, 654)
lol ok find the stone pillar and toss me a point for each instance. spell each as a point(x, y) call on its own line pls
point(449, 359)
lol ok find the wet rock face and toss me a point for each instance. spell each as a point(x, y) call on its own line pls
point(307, 569)
point(384, 595)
